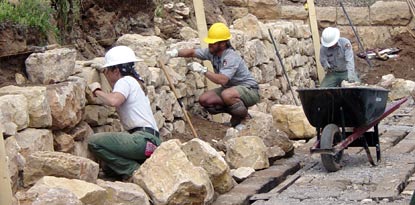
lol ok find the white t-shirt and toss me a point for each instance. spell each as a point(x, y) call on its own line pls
point(136, 110)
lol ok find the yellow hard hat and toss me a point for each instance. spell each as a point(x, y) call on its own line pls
point(218, 32)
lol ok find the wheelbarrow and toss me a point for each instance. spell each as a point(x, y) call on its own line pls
point(343, 118)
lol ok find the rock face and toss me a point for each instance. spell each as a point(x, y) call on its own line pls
point(183, 183)
point(87, 193)
point(47, 195)
point(14, 113)
point(51, 66)
point(39, 110)
point(15, 160)
point(31, 140)
point(246, 151)
point(123, 193)
point(66, 101)
point(148, 48)
point(264, 9)
point(292, 120)
point(59, 164)
point(391, 13)
point(202, 154)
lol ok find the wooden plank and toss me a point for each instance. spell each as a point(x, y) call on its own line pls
point(316, 38)
point(5, 186)
point(202, 30)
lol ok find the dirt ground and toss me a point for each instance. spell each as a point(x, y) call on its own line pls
point(205, 129)
point(401, 67)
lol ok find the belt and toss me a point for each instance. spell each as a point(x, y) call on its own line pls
point(337, 71)
point(145, 129)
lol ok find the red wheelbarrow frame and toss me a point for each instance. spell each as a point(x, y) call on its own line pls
point(357, 133)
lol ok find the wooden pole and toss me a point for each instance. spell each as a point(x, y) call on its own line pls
point(177, 98)
point(202, 30)
point(5, 185)
point(316, 38)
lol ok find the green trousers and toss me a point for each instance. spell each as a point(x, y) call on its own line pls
point(122, 152)
point(334, 79)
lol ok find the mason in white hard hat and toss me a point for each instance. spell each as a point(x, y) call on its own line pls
point(239, 89)
point(123, 152)
point(337, 58)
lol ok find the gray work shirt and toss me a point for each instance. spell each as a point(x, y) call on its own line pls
point(339, 58)
point(231, 65)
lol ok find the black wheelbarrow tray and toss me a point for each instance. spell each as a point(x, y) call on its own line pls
point(331, 110)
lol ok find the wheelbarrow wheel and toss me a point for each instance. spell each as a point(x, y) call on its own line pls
point(330, 137)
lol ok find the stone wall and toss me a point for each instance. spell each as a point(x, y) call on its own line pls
point(376, 24)
point(60, 113)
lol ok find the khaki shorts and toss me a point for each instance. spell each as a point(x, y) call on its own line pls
point(249, 96)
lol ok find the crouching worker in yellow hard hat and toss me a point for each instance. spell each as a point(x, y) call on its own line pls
point(238, 90)
point(123, 152)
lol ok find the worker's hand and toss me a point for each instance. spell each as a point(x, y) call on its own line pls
point(94, 87)
point(351, 77)
point(197, 67)
point(173, 53)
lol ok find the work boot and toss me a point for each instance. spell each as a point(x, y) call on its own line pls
point(238, 112)
point(216, 109)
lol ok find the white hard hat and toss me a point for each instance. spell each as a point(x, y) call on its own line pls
point(330, 36)
point(120, 55)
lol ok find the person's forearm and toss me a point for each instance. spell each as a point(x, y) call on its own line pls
point(105, 98)
point(187, 52)
point(217, 78)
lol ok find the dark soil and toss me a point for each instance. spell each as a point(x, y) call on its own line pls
point(205, 129)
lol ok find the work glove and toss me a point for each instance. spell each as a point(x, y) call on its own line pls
point(351, 77)
point(94, 87)
point(197, 67)
point(173, 53)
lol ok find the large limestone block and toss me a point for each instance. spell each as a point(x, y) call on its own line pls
point(200, 153)
point(14, 159)
point(63, 142)
point(59, 164)
point(391, 13)
point(182, 182)
point(358, 15)
point(372, 36)
point(96, 115)
point(14, 115)
point(52, 66)
point(47, 195)
point(265, 9)
point(292, 120)
point(401, 88)
point(326, 16)
point(246, 151)
point(123, 193)
point(148, 48)
point(39, 109)
point(238, 12)
point(294, 13)
point(249, 24)
point(31, 140)
point(81, 132)
point(254, 53)
point(87, 193)
point(259, 125)
point(66, 101)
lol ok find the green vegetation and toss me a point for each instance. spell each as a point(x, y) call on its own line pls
point(67, 15)
point(31, 13)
